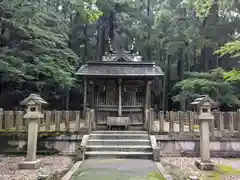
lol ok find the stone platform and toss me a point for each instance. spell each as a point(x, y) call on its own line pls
point(112, 169)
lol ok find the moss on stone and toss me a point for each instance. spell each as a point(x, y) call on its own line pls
point(23, 153)
point(23, 133)
point(114, 174)
point(221, 171)
point(155, 176)
point(226, 170)
point(195, 127)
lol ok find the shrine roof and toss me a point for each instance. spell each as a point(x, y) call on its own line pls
point(120, 68)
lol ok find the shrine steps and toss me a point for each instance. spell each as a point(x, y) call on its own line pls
point(119, 144)
point(120, 136)
point(121, 148)
point(119, 155)
point(120, 132)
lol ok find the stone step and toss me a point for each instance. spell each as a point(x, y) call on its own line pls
point(119, 154)
point(139, 142)
point(119, 136)
point(122, 148)
point(120, 132)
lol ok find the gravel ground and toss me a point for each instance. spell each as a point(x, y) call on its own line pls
point(10, 171)
point(187, 166)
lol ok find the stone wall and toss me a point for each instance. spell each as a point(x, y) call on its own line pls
point(67, 145)
point(63, 145)
point(180, 147)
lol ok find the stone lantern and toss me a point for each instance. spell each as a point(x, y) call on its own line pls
point(33, 115)
point(203, 105)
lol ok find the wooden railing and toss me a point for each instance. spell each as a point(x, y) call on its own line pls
point(160, 122)
point(179, 121)
point(53, 121)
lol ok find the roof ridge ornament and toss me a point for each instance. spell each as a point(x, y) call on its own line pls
point(133, 45)
point(120, 54)
point(110, 45)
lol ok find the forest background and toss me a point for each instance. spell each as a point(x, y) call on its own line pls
point(44, 42)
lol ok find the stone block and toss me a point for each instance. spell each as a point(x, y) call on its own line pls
point(156, 155)
point(204, 166)
point(30, 164)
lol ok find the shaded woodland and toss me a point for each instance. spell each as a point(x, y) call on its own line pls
point(44, 42)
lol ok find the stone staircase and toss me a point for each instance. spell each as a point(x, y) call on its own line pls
point(119, 144)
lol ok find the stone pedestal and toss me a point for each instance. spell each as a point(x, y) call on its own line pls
point(31, 161)
point(204, 166)
point(205, 163)
point(30, 164)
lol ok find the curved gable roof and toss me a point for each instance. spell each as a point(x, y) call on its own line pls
point(117, 68)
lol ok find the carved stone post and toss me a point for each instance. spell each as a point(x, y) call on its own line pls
point(89, 120)
point(147, 103)
point(148, 95)
point(33, 117)
point(85, 97)
point(119, 97)
point(146, 115)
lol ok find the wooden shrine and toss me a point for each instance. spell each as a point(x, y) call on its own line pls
point(119, 86)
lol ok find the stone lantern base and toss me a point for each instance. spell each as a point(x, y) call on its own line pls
point(30, 164)
point(204, 166)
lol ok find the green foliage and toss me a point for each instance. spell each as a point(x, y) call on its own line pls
point(230, 48)
point(34, 40)
point(46, 41)
point(87, 9)
point(232, 76)
point(212, 83)
point(202, 8)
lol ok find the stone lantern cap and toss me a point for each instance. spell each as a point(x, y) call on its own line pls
point(200, 101)
point(204, 104)
point(33, 99)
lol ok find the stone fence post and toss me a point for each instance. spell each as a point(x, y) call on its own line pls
point(151, 120)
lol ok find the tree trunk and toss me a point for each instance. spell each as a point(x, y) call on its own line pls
point(97, 44)
point(67, 97)
point(103, 43)
point(85, 42)
point(168, 79)
point(149, 27)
